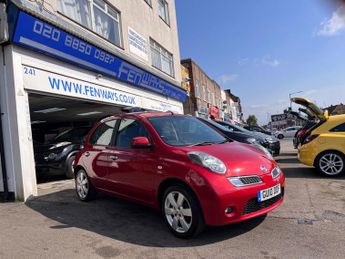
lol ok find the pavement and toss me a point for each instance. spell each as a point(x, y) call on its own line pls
point(309, 224)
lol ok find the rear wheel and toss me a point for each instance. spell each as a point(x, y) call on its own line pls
point(182, 212)
point(331, 163)
point(84, 188)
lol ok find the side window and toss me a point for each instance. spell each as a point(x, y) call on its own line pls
point(129, 129)
point(103, 134)
point(339, 128)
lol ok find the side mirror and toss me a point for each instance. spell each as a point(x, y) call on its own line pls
point(140, 142)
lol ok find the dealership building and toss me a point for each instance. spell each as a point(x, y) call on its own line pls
point(67, 63)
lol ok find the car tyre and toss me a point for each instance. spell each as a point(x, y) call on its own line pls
point(331, 164)
point(182, 212)
point(280, 136)
point(83, 186)
point(69, 167)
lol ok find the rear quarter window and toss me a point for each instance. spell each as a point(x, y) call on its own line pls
point(339, 128)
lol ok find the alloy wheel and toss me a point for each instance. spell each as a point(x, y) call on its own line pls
point(178, 212)
point(82, 184)
point(331, 164)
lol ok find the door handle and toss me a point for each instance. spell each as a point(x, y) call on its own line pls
point(87, 153)
point(114, 158)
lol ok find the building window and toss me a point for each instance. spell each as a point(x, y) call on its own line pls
point(148, 2)
point(196, 89)
point(96, 15)
point(163, 10)
point(161, 58)
point(204, 92)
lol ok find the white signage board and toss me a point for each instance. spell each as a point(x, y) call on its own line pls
point(137, 44)
point(52, 83)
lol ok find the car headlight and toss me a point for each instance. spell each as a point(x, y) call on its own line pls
point(270, 140)
point(251, 140)
point(52, 156)
point(208, 161)
point(263, 149)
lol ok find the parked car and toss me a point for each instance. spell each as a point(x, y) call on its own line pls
point(287, 132)
point(176, 164)
point(300, 134)
point(57, 157)
point(240, 134)
point(257, 129)
point(324, 144)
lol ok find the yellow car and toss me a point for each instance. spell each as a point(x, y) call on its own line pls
point(323, 145)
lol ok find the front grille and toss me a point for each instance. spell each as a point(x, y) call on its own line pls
point(250, 179)
point(253, 204)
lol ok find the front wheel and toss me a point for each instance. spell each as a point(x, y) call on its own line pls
point(84, 188)
point(331, 164)
point(182, 212)
point(280, 136)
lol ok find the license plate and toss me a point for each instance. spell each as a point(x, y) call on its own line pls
point(269, 193)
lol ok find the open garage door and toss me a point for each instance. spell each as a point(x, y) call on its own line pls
point(59, 126)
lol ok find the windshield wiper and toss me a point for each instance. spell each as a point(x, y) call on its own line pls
point(206, 143)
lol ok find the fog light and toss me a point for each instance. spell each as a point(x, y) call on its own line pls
point(228, 210)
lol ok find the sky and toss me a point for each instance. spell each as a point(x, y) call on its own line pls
point(265, 50)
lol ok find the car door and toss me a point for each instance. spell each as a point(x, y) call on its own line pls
point(289, 132)
point(132, 170)
point(96, 156)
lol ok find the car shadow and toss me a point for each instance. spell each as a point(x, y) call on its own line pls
point(125, 221)
point(287, 160)
point(307, 173)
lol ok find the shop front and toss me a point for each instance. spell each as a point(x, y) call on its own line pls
point(52, 79)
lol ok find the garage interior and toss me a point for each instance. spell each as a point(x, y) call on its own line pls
point(53, 119)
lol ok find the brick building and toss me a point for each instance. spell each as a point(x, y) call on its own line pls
point(204, 98)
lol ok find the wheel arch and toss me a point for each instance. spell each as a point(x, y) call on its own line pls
point(79, 167)
point(166, 183)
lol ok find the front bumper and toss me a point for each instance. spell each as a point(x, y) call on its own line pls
point(242, 201)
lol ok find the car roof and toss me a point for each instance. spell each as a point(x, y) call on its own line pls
point(143, 115)
point(337, 118)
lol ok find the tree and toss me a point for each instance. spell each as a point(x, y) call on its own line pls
point(252, 120)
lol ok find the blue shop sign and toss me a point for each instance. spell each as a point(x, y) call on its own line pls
point(44, 37)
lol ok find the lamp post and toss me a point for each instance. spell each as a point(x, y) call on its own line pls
point(291, 94)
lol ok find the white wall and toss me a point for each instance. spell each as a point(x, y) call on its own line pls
point(18, 146)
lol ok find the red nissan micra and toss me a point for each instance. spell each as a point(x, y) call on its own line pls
point(181, 166)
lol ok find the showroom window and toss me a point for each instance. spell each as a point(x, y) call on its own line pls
point(103, 134)
point(128, 130)
point(161, 58)
point(96, 15)
point(163, 10)
point(339, 128)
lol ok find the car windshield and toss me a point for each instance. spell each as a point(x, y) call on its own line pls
point(235, 127)
point(185, 131)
